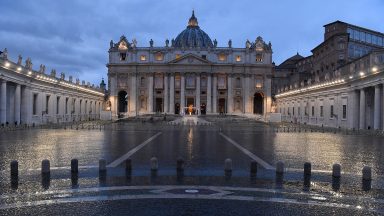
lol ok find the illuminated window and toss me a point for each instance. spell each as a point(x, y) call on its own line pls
point(143, 58)
point(259, 57)
point(178, 56)
point(222, 57)
point(159, 57)
point(238, 58)
point(259, 82)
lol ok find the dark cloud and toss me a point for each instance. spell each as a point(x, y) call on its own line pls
point(73, 36)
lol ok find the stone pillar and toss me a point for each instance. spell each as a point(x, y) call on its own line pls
point(182, 93)
point(376, 118)
point(230, 95)
point(133, 95)
point(166, 101)
point(198, 93)
point(209, 94)
point(214, 95)
point(3, 102)
point(150, 94)
point(362, 109)
point(17, 103)
point(172, 94)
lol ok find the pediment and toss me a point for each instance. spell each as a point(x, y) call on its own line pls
point(190, 59)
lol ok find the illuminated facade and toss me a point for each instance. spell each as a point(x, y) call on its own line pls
point(189, 74)
point(340, 85)
point(30, 97)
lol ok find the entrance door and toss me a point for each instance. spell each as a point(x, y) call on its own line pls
point(258, 103)
point(190, 106)
point(177, 108)
point(123, 102)
point(159, 105)
point(222, 107)
point(203, 109)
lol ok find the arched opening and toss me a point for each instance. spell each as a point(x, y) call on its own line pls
point(258, 103)
point(177, 108)
point(222, 109)
point(123, 102)
point(203, 110)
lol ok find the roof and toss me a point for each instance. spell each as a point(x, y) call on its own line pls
point(291, 62)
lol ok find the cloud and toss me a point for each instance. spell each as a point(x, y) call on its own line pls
point(73, 36)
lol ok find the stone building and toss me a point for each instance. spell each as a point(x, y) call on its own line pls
point(189, 74)
point(345, 85)
point(31, 97)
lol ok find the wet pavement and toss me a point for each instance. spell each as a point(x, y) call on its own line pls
point(204, 149)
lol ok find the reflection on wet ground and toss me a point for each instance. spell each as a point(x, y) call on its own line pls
point(204, 148)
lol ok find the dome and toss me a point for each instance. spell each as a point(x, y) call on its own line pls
point(193, 36)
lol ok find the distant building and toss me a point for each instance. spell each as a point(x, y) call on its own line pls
point(31, 97)
point(189, 74)
point(339, 85)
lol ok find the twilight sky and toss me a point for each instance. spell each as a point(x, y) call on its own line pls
point(73, 36)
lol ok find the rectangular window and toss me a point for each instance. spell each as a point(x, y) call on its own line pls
point(259, 57)
point(238, 58)
point(293, 111)
point(73, 106)
point(222, 57)
point(298, 111)
point(204, 56)
point(143, 58)
point(344, 111)
point(321, 111)
point(47, 104)
point(159, 57)
point(57, 105)
point(66, 105)
point(313, 111)
point(34, 109)
point(178, 56)
point(123, 56)
point(331, 112)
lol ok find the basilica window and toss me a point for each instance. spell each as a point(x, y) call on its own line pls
point(259, 57)
point(331, 114)
point(142, 81)
point(123, 56)
point(66, 105)
point(259, 82)
point(222, 57)
point(159, 56)
point(321, 111)
point(204, 56)
point(313, 111)
point(178, 56)
point(203, 82)
point(238, 58)
point(159, 82)
point(57, 105)
point(238, 82)
point(221, 82)
point(190, 81)
point(344, 111)
point(143, 57)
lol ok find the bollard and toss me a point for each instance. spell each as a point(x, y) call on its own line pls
point(45, 167)
point(180, 165)
point(280, 168)
point(154, 164)
point(307, 169)
point(14, 169)
point(367, 173)
point(102, 165)
point(253, 168)
point(228, 165)
point(336, 170)
point(128, 164)
point(74, 166)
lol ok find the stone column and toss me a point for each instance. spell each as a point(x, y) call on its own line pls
point(17, 103)
point(362, 109)
point(133, 95)
point(172, 94)
point(214, 94)
point(3, 102)
point(182, 93)
point(209, 94)
point(150, 94)
point(166, 101)
point(230, 95)
point(198, 93)
point(376, 118)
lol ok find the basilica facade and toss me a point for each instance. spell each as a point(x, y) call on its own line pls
point(189, 75)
